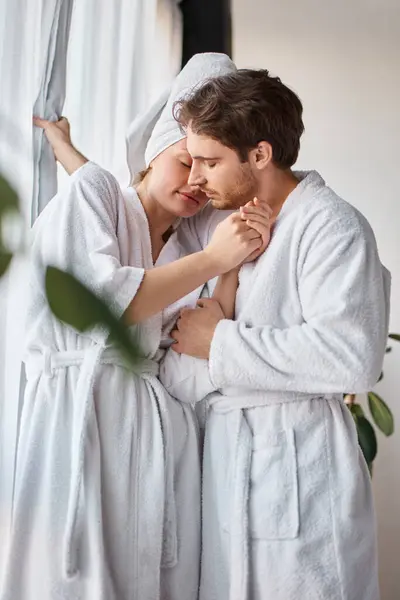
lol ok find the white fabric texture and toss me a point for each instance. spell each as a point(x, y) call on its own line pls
point(286, 493)
point(185, 377)
point(32, 68)
point(107, 481)
point(121, 56)
point(156, 130)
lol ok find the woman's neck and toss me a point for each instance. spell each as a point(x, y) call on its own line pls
point(158, 218)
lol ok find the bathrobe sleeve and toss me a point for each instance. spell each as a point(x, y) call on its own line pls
point(77, 232)
point(343, 292)
point(186, 378)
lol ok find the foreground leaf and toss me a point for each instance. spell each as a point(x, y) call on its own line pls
point(366, 438)
point(381, 413)
point(5, 260)
point(8, 203)
point(8, 197)
point(395, 336)
point(74, 304)
point(357, 410)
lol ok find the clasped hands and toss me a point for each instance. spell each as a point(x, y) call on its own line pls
point(195, 328)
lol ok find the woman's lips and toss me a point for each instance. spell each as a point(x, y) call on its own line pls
point(189, 197)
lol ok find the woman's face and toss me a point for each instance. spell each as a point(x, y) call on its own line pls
point(167, 182)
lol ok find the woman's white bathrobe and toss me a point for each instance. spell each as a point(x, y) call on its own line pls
point(287, 503)
point(107, 486)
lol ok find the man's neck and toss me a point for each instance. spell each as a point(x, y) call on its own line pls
point(275, 190)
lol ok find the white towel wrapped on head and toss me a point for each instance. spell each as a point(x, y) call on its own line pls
point(154, 131)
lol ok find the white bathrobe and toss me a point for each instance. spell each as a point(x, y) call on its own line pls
point(287, 503)
point(107, 487)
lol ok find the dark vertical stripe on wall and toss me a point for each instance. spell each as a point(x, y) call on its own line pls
point(206, 27)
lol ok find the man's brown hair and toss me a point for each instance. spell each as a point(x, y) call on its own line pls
point(244, 108)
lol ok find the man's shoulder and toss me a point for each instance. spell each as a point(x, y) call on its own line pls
point(326, 209)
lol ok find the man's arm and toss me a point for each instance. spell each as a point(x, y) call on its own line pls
point(344, 293)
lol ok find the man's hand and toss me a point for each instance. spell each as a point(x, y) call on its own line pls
point(195, 328)
point(259, 216)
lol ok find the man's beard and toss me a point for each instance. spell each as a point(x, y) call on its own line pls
point(237, 194)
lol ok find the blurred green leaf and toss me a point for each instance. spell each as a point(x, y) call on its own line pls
point(8, 203)
point(381, 413)
point(357, 410)
point(366, 438)
point(5, 259)
point(395, 336)
point(74, 304)
point(8, 197)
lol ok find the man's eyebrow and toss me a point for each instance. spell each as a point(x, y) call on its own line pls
point(206, 157)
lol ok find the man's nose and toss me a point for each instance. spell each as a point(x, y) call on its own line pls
point(195, 177)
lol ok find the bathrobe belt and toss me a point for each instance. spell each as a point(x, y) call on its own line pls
point(88, 360)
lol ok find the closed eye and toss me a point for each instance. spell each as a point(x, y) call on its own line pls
point(186, 165)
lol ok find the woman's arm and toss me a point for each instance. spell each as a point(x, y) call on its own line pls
point(59, 137)
point(225, 292)
point(258, 216)
point(232, 241)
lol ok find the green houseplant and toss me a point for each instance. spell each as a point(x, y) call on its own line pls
point(381, 415)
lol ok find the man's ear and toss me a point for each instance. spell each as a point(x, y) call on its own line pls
point(261, 156)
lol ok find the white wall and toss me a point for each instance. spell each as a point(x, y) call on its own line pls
point(342, 58)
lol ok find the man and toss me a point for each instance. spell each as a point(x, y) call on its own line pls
point(287, 504)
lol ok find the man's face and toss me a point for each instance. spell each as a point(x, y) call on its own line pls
point(218, 171)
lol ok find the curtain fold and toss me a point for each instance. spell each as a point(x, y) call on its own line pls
point(33, 36)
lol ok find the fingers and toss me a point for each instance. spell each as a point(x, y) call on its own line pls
point(262, 219)
point(250, 234)
point(38, 122)
point(264, 210)
point(262, 204)
point(254, 245)
point(259, 227)
point(43, 123)
point(204, 302)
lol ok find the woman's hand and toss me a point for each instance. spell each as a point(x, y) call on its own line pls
point(57, 132)
point(59, 137)
point(232, 242)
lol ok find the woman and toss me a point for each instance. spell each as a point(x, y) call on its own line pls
point(107, 483)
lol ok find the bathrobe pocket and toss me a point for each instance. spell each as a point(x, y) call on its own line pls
point(273, 495)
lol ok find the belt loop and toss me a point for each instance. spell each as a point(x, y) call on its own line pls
point(47, 367)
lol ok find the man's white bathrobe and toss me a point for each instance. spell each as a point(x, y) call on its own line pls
point(287, 504)
point(107, 487)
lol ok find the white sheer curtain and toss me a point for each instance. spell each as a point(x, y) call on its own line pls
point(32, 70)
point(121, 55)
